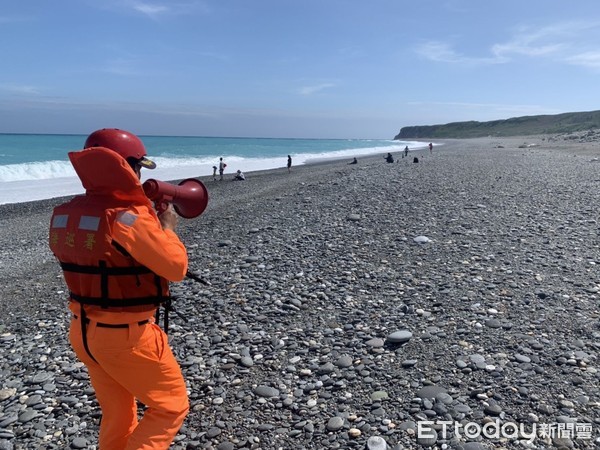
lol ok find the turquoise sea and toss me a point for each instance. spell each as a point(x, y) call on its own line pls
point(36, 166)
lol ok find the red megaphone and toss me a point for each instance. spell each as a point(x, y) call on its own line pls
point(189, 198)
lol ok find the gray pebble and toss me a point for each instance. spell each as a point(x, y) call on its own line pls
point(399, 337)
point(335, 423)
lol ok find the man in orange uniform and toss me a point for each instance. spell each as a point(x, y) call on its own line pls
point(117, 257)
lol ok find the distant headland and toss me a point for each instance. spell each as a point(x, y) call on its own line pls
point(515, 126)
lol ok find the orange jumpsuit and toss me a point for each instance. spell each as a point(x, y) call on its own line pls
point(117, 261)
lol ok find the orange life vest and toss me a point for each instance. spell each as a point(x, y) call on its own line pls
point(108, 242)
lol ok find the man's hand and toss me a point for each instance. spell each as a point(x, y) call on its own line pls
point(168, 218)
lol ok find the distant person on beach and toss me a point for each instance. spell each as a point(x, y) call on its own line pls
point(354, 161)
point(289, 163)
point(222, 166)
point(430, 148)
point(117, 259)
point(389, 158)
point(406, 151)
point(214, 173)
point(239, 176)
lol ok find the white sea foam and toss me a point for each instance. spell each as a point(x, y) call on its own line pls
point(36, 171)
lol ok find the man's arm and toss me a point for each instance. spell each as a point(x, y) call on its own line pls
point(144, 238)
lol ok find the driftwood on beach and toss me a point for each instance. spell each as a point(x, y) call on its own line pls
point(349, 302)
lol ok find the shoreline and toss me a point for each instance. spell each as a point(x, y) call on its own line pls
point(64, 182)
point(327, 324)
point(537, 141)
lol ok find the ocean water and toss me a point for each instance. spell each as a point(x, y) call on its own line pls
point(36, 166)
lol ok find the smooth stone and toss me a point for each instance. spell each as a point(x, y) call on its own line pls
point(266, 391)
point(471, 446)
point(430, 391)
point(226, 446)
point(8, 419)
point(379, 395)
point(213, 432)
point(326, 368)
point(476, 358)
point(344, 361)
point(27, 415)
point(421, 239)
point(493, 323)
point(335, 423)
point(493, 409)
point(34, 400)
point(7, 393)
point(399, 337)
point(426, 441)
point(445, 398)
point(41, 377)
point(354, 432)
point(376, 443)
point(562, 443)
point(79, 442)
point(462, 408)
point(247, 361)
point(375, 342)
point(565, 419)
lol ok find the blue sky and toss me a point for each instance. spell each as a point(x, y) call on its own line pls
point(291, 68)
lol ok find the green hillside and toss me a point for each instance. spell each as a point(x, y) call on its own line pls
point(516, 126)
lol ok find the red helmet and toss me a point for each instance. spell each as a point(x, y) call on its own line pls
point(126, 144)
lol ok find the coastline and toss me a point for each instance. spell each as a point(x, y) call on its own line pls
point(311, 272)
point(29, 181)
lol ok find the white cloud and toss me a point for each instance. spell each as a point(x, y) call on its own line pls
point(438, 51)
point(567, 42)
point(19, 89)
point(545, 41)
point(586, 59)
point(309, 90)
point(157, 9)
point(151, 10)
point(442, 52)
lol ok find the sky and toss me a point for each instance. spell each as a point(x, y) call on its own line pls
point(356, 69)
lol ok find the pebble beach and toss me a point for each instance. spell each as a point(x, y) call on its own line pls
point(352, 307)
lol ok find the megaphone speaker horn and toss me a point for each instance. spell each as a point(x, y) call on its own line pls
point(192, 198)
point(189, 198)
